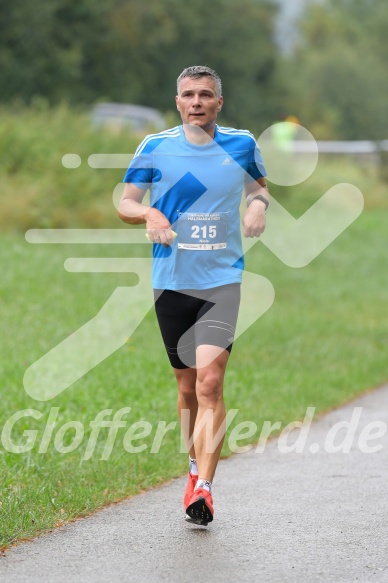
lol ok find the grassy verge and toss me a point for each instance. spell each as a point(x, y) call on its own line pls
point(37, 190)
point(320, 344)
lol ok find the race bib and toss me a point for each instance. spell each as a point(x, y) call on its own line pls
point(202, 231)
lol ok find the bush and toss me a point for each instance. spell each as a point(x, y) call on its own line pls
point(37, 190)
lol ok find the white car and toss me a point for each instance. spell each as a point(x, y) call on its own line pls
point(135, 117)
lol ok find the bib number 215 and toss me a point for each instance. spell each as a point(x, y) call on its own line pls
point(204, 232)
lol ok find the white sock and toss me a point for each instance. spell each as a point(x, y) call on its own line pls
point(205, 484)
point(193, 468)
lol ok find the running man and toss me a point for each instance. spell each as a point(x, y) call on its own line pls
point(196, 174)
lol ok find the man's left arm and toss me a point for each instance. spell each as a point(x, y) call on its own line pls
point(254, 217)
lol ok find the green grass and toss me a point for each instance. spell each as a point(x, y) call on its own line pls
point(321, 343)
point(37, 190)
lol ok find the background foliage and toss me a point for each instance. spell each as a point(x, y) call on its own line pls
point(129, 51)
point(338, 72)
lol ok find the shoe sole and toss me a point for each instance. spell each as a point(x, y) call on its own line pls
point(195, 521)
point(199, 513)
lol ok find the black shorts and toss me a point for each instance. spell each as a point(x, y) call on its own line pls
point(189, 318)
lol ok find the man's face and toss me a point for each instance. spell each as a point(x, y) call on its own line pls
point(198, 103)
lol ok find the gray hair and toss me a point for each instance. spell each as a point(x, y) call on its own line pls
point(198, 71)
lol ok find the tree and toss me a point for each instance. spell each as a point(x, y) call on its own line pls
point(41, 48)
point(131, 51)
point(338, 74)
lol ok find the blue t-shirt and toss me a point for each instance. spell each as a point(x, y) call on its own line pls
point(198, 189)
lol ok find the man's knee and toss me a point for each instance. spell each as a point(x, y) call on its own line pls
point(209, 385)
point(186, 379)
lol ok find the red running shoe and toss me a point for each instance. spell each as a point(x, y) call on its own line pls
point(191, 481)
point(200, 508)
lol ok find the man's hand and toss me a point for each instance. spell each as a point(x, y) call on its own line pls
point(158, 228)
point(254, 219)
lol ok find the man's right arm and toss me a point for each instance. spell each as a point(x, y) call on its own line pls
point(133, 211)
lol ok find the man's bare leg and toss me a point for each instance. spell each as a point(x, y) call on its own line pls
point(200, 392)
point(202, 414)
point(209, 391)
point(187, 404)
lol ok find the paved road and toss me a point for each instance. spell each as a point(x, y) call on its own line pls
point(280, 517)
